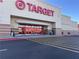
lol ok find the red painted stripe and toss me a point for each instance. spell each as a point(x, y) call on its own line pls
point(7, 39)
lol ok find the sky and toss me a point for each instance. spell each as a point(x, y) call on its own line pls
point(68, 7)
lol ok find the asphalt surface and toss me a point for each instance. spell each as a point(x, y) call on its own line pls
point(25, 49)
point(69, 42)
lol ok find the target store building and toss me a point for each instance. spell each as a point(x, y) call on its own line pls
point(34, 17)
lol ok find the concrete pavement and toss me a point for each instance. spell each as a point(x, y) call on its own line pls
point(24, 36)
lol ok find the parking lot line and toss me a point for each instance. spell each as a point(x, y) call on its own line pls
point(67, 49)
point(3, 50)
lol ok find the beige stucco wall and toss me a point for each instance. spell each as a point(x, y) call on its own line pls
point(69, 26)
point(5, 12)
point(8, 8)
point(62, 23)
point(27, 14)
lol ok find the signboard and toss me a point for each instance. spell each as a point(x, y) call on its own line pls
point(1, 0)
point(21, 5)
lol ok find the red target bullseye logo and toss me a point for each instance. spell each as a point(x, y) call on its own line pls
point(20, 4)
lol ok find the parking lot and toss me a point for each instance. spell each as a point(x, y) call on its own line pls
point(41, 48)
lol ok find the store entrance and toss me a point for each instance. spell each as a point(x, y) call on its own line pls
point(32, 28)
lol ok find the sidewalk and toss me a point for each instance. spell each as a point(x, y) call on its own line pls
point(8, 37)
point(24, 36)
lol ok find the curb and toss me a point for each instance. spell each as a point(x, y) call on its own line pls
point(10, 39)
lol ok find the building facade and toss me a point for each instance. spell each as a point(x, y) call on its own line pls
point(34, 17)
